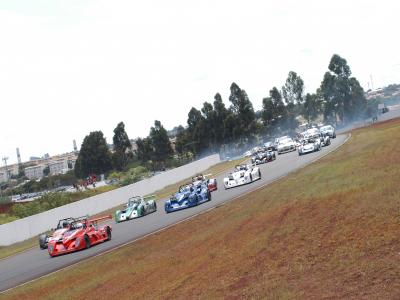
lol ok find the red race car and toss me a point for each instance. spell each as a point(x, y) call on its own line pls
point(81, 234)
point(211, 182)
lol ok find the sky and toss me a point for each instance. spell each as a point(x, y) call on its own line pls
point(71, 67)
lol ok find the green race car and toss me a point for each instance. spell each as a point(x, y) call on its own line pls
point(136, 207)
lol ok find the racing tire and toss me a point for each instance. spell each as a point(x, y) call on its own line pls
point(251, 178)
point(108, 230)
point(209, 195)
point(259, 174)
point(42, 241)
point(155, 206)
point(334, 136)
point(87, 242)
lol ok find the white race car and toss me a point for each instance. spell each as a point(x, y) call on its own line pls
point(243, 174)
point(328, 130)
point(286, 145)
point(308, 146)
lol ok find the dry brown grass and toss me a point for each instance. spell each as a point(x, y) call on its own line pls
point(329, 231)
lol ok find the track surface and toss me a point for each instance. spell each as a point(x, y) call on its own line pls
point(35, 262)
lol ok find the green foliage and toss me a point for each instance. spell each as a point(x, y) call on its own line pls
point(242, 109)
point(122, 147)
point(311, 107)
point(342, 95)
point(133, 175)
point(293, 89)
point(94, 156)
point(144, 150)
point(160, 141)
point(273, 110)
point(52, 200)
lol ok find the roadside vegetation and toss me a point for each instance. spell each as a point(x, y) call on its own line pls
point(330, 230)
point(48, 201)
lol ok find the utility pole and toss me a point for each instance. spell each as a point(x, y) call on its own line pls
point(5, 158)
point(372, 83)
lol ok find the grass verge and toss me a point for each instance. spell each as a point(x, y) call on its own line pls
point(161, 194)
point(330, 230)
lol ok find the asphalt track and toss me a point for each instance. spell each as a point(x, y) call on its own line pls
point(34, 263)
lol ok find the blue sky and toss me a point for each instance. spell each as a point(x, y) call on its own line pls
point(71, 67)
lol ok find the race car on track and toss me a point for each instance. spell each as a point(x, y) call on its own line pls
point(286, 145)
point(81, 234)
point(136, 207)
point(328, 130)
point(187, 196)
point(325, 140)
point(210, 182)
point(310, 145)
point(62, 226)
point(263, 156)
point(241, 175)
point(270, 146)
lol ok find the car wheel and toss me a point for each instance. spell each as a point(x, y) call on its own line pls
point(209, 195)
point(42, 241)
point(259, 174)
point(251, 178)
point(108, 233)
point(87, 242)
point(155, 206)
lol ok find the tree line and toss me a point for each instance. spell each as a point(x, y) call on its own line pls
point(339, 100)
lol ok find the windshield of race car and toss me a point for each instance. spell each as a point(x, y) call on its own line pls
point(133, 203)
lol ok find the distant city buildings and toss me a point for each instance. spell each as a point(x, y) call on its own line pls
point(58, 164)
point(34, 172)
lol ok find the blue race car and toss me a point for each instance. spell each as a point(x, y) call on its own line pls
point(188, 195)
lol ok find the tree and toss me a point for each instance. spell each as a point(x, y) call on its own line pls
point(196, 130)
point(209, 116)
point(343, 96)
point(160, 141)
point(310, 107)
point(221, 114)
point(94, 156)
point(328, 94)
point(243, 112)
point(144, 150)
point(122, 147)
point(273, 110)
point(293, 89)
point(181, 141)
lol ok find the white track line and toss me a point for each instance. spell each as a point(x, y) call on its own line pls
point(181, 221)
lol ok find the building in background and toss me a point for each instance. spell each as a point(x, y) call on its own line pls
point(34, 172)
